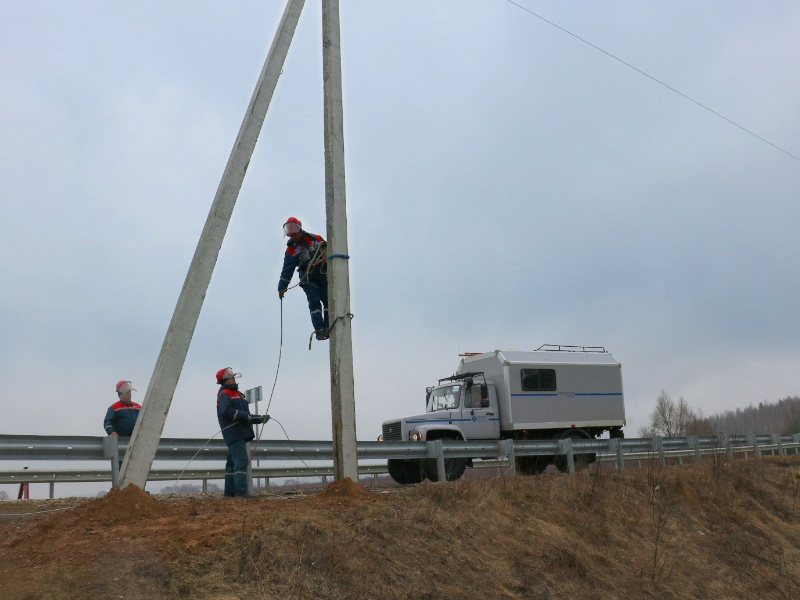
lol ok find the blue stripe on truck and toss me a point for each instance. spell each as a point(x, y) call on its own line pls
point(575, 394)
point(417, 421)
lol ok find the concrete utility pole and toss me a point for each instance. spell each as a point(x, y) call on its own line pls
point(157, 399)
point(343, 405)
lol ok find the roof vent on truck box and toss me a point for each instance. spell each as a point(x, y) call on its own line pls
point(563, 348)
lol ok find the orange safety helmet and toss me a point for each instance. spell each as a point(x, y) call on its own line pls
point(292, 225)
point(226, 373)
point(123, 387)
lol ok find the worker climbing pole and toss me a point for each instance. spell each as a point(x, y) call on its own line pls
point(307, 252)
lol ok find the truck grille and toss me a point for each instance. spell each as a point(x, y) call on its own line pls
point(391, 431)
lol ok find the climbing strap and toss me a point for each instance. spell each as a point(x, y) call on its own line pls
point(311, 339)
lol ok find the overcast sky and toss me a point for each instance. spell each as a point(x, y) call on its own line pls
point(507, 186)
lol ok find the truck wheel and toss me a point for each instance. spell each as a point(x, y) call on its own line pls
point(405, 472)
point(453, 468)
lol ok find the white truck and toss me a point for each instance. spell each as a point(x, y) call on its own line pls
point(554, 392)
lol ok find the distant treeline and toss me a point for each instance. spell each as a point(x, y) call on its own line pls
point(782, 417)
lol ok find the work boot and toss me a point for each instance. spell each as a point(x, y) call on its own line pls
point(322, 334)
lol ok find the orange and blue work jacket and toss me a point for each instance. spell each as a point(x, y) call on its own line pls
point(298, 255)
point(233, 415)
point(121, 417)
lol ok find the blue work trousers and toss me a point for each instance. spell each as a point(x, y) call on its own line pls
point(236, 469)
point(318, 304)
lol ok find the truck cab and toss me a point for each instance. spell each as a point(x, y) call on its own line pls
point(457, 408)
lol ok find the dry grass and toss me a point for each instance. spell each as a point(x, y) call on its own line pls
point(712, 530)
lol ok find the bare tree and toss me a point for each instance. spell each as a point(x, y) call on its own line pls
point(674, 419)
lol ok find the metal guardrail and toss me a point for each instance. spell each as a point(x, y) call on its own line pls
point(263, 474)
point(59, 448)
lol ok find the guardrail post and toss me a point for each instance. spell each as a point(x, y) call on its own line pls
point(439, 448)
point(620, 457)
point(266, 483)
point(52, 490)
point(796, 440)
point(694, 443)
point(324, 481)
point(565, 447)
point(436, 450)
point(658, 446)
point(506, 448)
point(205, 486)
point(726, 440)
point(778, 441)
point(111, 450)
point(753, 440)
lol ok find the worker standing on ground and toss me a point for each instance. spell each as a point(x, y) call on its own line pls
point(121, 416)
point(307, 253)
point(236, 423)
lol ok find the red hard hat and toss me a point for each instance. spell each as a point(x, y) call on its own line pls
point(226, 373)
point(292, 225)
point(124, 386)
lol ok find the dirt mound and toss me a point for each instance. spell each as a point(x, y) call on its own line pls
point(130, 504)
point(346, 489)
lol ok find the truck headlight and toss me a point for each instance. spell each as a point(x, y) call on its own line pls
point(415, 436)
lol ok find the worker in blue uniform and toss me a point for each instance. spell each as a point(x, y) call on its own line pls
point(307, 252)
point(236, 424)
point(121, 416)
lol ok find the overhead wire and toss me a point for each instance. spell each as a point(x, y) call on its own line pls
point(658, 81)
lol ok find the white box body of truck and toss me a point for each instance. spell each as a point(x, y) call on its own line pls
point(545, 389)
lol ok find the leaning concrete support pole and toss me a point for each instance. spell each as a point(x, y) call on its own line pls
point(343, 406)
point(157, 399)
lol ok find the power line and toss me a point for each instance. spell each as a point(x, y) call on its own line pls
point(627, 64)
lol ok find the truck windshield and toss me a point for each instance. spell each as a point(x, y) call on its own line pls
point(444, 398)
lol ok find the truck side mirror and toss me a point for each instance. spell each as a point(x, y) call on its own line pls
point(484, 392)
point(428, 391)
point(468, 381)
